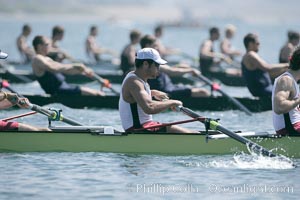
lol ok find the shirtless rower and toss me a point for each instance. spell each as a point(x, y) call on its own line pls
point(287, 50)
point(208, 57)
point(55, 52)
point(25, 50)
point(226, 47)
point(128, 53)
point(93, 50)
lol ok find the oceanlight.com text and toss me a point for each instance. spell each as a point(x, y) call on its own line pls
point(246, 188)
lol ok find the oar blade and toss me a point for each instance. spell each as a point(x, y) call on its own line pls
point(253, 146)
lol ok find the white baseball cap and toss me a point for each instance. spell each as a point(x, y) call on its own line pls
point(152, 54)
point(3, 55)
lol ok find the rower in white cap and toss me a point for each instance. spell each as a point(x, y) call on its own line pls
point(136, 105)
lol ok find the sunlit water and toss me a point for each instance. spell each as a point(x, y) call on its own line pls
point(121, 176)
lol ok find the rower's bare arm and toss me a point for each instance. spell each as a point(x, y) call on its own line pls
point(22, 44)
point(205, 50)
point(4, 102)
point(178, 71)
point(8, 99)
point(273, 69)
point(131, 57)
point(158, 95)
point(226, 49)
point(148, 105)
point(23, 47)
point(283, 98)
point(48, 64)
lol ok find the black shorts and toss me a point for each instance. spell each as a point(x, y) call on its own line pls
point(66, 89)
point(180, 92)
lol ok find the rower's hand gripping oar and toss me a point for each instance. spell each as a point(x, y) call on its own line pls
point(104, 82)
point(217, 88)
point(52, 114)
point(214, 125)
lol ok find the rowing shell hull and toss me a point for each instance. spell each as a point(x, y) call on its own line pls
point(142, 143)
point(200, 103)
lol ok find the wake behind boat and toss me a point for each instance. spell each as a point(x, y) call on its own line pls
point(107, 139)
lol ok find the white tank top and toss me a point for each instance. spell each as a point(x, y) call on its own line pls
point(129, 111)
point(294, 114)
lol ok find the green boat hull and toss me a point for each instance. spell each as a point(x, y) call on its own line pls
point(140, 143)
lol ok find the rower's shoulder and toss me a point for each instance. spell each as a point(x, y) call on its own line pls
point(250, 55)
point(285, 81)
point(284, 78)
point(38, 59)
point(132, 81)
point(207, 42)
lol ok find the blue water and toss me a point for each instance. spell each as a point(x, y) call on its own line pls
point(119, 176)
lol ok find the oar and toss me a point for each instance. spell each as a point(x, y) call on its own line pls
point(214, 125)
point(104, 82)
point(18, 116)
point(5, 84)
point(22, 78)
point(54, 115)
point(217, 88)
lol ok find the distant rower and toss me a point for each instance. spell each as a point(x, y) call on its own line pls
point(287, 50)
point(49, 72)
point(256, 71)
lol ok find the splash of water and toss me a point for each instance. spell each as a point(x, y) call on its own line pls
point(243, 161)
point(256, 161)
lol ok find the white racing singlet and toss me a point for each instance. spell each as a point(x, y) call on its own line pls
point(132, 115)
point(294, 114)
